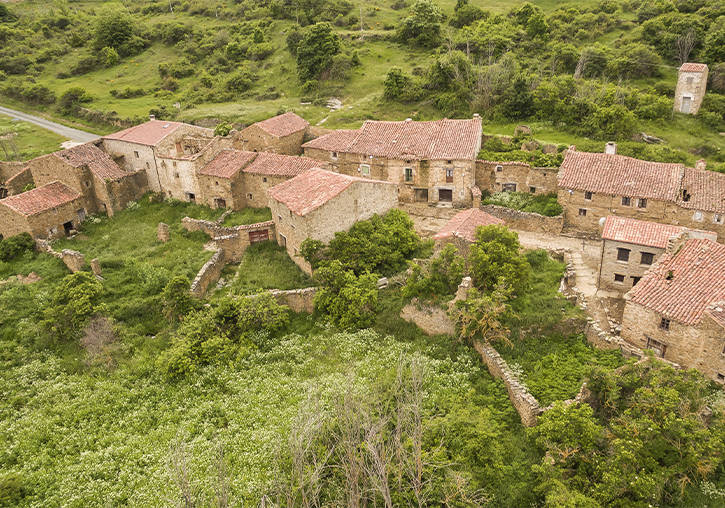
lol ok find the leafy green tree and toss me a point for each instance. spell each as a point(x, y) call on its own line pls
point(312, 251)
point(611, 122)
point(14, 246)
point(222, 129)
point(70, 101)
point(109, 56)
point(315, 51)
point(113, 29)
point(348, 300)
point(423, 26)
point(496, 263)
point(440, 280)
point(714, 49)
point(74, 301)
point(519, 100)
point(396, 81)
point(177, 299)
point(6, 15)
point(467, 14)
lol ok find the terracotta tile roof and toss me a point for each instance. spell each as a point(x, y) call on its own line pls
point(441, 139)
point(150, 133)
point(696, 276)
point(717, 312)
point(280, 165)
point(283, 125)
point(228, 163)
point(693, 67)
point(650, 234)
point(706, 190)
point(41, 199)
point(312, 189)
point(618, 175)
point(465, 223)
point(98, 161)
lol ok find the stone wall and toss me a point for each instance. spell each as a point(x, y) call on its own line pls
point(516, 176)
point(433, 320)
point(299, 300)
point(255, 139)
point(19, 182)
point(209, 273)
point(74, 260)
point(233, 240)
point(525, 404)
point(526, 221)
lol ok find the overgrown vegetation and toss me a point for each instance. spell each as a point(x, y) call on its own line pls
point(543, 204)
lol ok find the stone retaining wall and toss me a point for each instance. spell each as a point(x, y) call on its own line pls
point(433, 320)
point(525, 404)
point(74, 260)
point(233, 240)
point(299, 300)
point(526, 221)
point(209, 273)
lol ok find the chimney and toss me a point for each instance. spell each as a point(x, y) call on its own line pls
point(152, 117)
point(610, 148)
point(476, 116)
point(701, 165)
point(408, 119)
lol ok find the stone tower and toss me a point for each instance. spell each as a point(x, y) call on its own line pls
point(691, 85)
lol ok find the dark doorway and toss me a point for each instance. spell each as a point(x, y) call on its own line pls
point(421, 195)
point(445, 195)
point(191, 197)
point(220, 203)
point(68, 227)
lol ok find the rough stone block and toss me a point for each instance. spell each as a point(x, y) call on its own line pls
point(162, 232)
point(74, 260)
point(96, 267)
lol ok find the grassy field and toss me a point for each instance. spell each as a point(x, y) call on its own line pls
point(25, 140)
point(266, 265)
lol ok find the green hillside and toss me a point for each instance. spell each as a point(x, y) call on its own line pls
point(574, 71)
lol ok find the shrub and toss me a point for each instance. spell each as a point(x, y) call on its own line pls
point(177, 299)
point(15, 246)
point(347, 300)
point(440, 280)
point(73, 303)
point(222, 129)
point(496, 263)
point(315, 51)
point(543, 204)
point(479, 316)
point(70, 101)
point(423, 26)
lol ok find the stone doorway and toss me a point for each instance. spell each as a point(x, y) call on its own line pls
point(686, 104)
point(421, 195)
point(445, 195)
point(68, 227)
point(259, 236)
point(220, 203)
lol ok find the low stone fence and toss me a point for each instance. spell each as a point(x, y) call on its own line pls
point(209, 273)
point(74, 260)
point(299, 300)
point(526, 221)
point(525, 404)
point(433, 320)
point(233, 240)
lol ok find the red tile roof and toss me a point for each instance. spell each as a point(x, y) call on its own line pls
point(441, 139)
point(465, 223)
point(312, 189)
point(98, 161)
point(228, 163)
point(717, 312)
point(41, 199)
point(681, 286)
point(283, 125)
point(280, 165)
point(618, 175)
point(650, 234)
point(706, 190)
point(693, 67)
point(150, 133)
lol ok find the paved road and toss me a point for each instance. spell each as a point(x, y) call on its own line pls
point(68, 132)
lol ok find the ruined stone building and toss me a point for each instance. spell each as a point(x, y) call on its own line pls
point(236, 179)
point(460, 230)
point(318, 203)
point(593, 186)
point(630, 247)
point(431, 162)
point(169, 152)
point(49, 211)
point(283, 134)
point(515, 177)
point(678, 308)
point(691, 87)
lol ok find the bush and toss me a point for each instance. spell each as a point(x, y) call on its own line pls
point(496, 263)
point(440, 281)
point(543, 204)
point(347, 300)
point(315, 51)
point(222, 129)
point(177, 299)
point(70, 101)
point(423, 26)
point(15, 246)
point(73, 303)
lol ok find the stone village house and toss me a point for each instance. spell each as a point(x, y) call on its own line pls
point(691, 87)
point(431, 162)
point(236, 179)
point(630, 247)
point(515, 177)
point(318, 203)
point(593, 186)
point(283, 134)
point(678, 308)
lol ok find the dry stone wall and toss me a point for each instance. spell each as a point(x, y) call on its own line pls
point(526, 221)
point(209, 273)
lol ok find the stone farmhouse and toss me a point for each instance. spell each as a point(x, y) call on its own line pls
point(593, 186)
point(318, 203)
point(460, 230)
point(515, 177)
point(630, 247)
point(678, 308)
point(236, 179)
point(51, 210)
point(281, 134)
point(431, 162)
point(691, 86)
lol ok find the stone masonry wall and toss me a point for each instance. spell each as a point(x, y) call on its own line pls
point(526, 221)
point(209, 273)
point(433, 320)
point(299, 300)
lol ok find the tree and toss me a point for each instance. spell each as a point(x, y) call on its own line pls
point(479, 316)
point(222, 129)
point(440, 280)
point(315, 51)
point(74, 301)
point(348, 300)
point(519, 101)
point(714, 50)
point(114, 28)
point(423, 26)
point(70, 101)
point(396, 81)
point(496, 263)
point(467, 14)
point(14, 246)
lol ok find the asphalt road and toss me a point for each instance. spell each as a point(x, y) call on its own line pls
point(67, 132)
